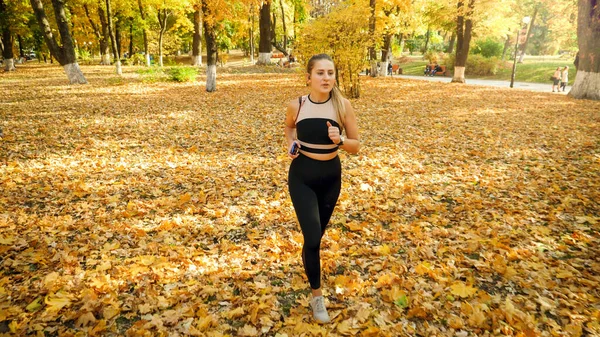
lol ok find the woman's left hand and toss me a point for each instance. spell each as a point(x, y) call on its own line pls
point(334, 133)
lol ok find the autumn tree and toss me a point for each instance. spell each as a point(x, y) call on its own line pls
point(197, 37)
point(464, 26)
point(390, 20)
point(113, 40)
point(7, 38)
point(344, 35)
point(65, 52)
point(264, 46)
point(144, 31)
point(100, 30)
point(587, 80)
point(209, 22)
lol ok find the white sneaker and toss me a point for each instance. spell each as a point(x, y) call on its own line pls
point(319, 311)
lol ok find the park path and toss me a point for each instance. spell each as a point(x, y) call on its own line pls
point(541, 87)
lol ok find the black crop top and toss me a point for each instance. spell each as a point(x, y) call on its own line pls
point(311, 125)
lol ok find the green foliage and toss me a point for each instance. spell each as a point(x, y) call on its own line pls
point(488, 48)
point(136, 59)
point(476, 65)
point(183, 74)
point(152, 74)
point(344, 35)
point(413, 45)
point(83, 56)
point(433, 56)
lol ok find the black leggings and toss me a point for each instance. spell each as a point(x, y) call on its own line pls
point(314, 188)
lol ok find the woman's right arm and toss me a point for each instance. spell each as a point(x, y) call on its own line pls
point(290, 124)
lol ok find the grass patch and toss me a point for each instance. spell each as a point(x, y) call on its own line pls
point(529, 71)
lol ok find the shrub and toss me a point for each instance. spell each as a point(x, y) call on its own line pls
point(183, 74)
point(476, 65)
point(433, 56)
point(488, 48)
point(136, 59)
point(151, 74)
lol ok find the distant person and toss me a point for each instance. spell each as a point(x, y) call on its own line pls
point(427, 70)
point(291, 58)
point(435, 69)
point(556, 80)
point(389, 68)
point(564, 79)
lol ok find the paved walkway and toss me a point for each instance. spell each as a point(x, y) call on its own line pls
point(541, 87)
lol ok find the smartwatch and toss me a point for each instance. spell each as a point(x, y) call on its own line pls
point(341, 141)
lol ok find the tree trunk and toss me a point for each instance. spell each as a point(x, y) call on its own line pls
point(587, 80)
point(211, 50)
point(197, 40)
point(7, 40)
point(529, 29)
point(401, 37)
point(386, 54)
point(464, 25)
point(105, 40)
point(285, 42)
point(506, 46)
point(451, 43)
point(65, 53)
point(144, 32)
point(113, 40)
point(162, 21)
point(264, 46)
point(117, 25)
point(20, 40)
point(426, 40)
point(130, 53)
point(251, 19)
point(372, 51)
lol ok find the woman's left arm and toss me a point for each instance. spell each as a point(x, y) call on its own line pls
point(352, 141)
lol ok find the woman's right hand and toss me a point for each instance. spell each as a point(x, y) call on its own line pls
point(294, 156)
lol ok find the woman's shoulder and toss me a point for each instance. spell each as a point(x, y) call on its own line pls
point(294, 104)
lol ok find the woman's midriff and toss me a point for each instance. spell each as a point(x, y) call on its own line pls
point(320, 156)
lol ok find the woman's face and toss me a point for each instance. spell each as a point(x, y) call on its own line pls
point(322, 76)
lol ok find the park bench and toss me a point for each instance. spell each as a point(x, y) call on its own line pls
point(439, 73)
point(277, 55)
point(396, 69)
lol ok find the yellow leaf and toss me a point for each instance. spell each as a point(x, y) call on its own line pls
point(455, 322)
point(184, 198)
point(205, 322)
point(248, 330)
point(35, 305)
point(346, 328)
point(57, 301)
point(7, 240)
point(564, 274)
point(110, 312)
point(85, 320)
point(462, 290)
point(237, 312)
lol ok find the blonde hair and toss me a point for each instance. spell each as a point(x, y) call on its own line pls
point(337, 98)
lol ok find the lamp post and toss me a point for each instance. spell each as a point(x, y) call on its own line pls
point(514, 68)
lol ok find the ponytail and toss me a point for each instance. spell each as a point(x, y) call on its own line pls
point(338, 105)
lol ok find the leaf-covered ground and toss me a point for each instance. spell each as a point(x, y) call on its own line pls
point(142, 209)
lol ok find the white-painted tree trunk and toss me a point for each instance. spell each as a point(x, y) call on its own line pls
point(105, 60)
point(74, 73)
point(197, 61)
point(459, 75)
point(10, 65)
point(264, 58)
point(586, 86)
point(147, 60)
point(211, 78)
point(119, 68)
point(373, 68)
point(383, 69)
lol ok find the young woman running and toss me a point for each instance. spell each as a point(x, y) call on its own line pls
point(314, 180)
